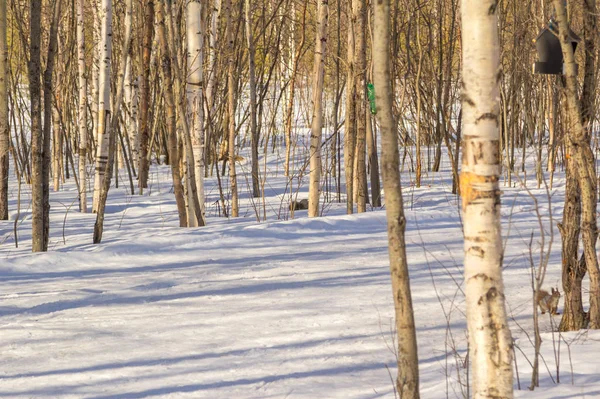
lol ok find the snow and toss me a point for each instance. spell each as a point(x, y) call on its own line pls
point(296, 308)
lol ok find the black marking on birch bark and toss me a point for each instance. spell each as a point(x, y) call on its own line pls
point(492, 293)
point(487, 116)
point(493, 7)
point(477, 238)
point(482, 276)
point(467, 100)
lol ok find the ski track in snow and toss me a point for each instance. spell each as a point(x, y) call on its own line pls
point(279, 309)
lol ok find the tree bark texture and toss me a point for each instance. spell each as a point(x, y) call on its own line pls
point(350, 122)
point(83, 94)
point(580, 144)
point(103, 99)
point(195, 85)
point(314, 187)
point(112, 128)
point(171, 117)
point(252, 82)
point(147, 35)
point(490, 342)
point(407, 381)
point(4, 125)
point(231, 108)
point(359, 10)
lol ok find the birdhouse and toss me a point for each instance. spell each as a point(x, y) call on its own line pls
point(549, 52)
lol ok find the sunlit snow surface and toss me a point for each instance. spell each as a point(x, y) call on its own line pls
point(279, 309)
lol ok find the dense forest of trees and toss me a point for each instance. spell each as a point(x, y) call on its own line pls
point(91, 88)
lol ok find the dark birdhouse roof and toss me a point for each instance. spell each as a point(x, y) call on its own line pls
point(552, 28)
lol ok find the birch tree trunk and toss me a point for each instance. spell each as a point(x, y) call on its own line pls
point(317, 118)
point(97, 27)
point(253, 127)
point(134, 133)
point(360, 16)
point(171, 118)
point(113, 126)
point(131, 105)
point(231, 108)
point(103, 99)
point(4, 130)
point(583, 155)
point(350, 123)
point(407, 381)
point(490, 341)
point(293, 65)
point(210, 106)
point(83, 129)
point(57, 138)
point(373, 163)
point(148, 33)
point(179, 78)
point(195, 87)
point(48, 103)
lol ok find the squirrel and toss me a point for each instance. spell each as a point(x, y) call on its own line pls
point(548, 302)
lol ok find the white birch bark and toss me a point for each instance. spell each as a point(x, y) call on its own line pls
point(195, 83)
point(103, 99)
point(83, 131)
point(57, 141)
point(96, 60)
point(4, 132)
point(131, 99)
point(113, 125)
point(231, 107)
point(490, 342)
point(212, 66)
point(134, 136)
point(317, 119)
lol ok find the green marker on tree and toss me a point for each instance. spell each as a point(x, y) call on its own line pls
point(371, 96)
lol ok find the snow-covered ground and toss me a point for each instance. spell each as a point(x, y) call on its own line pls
point(284, 308)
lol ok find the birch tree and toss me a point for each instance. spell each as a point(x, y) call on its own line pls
point(490, 340)
point(350, 122)
point(317, 109)
point(213, 39)
point(359, 11)
point(131, 102)
point(295, 62)
point(113, 126)
point(252, 77)
point(49, 96)
point(147, 35)
point(231, 107)
point(83, 132)
point(171, 122)
point(407, 381)
point(103, 99)
point(195, 87)
point(4, 130)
